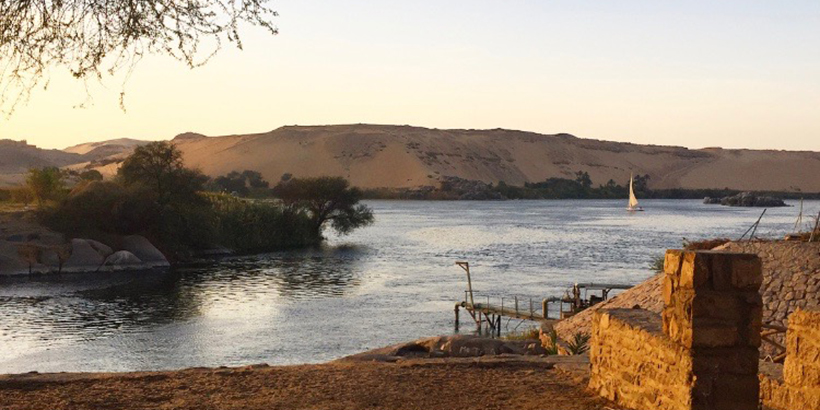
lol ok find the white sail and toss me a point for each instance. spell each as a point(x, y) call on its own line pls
point(633, 202)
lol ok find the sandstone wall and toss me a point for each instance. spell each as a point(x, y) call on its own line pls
point(798, 386)
point(705, 353)
point(635, 365)
point(791, 280)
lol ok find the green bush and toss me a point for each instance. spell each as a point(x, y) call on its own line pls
point(260, 226)
point(45, 184)
point(579, 343)
point(154, 195)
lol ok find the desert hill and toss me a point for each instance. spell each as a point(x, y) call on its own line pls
point(373, 156)
point(103, 149)
point(16, 157)
point(404, 156)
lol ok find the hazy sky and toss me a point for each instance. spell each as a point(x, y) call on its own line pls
point(693, 73)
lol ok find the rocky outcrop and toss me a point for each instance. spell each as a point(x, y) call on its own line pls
point(451, 346)
point(468, 189)
point(122, 259)
point(747, 199)
point(83, 257)
point(78, 255)
point(100, 247)
point(10, 261)
point(144, 250)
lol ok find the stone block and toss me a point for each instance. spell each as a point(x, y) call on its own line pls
point(735, 271)
point(695, 270)
point(672, 261)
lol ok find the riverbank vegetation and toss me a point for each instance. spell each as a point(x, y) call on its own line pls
point(156, 196)
point(580, 187)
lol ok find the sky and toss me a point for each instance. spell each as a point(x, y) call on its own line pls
point(736, 74)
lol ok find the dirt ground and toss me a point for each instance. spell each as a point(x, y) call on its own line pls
point(410, 384)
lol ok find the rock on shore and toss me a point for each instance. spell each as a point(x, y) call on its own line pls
point(451, 346)
point(24, 254)
point(746, 199)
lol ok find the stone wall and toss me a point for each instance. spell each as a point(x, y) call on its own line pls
point(704, 354)
point(797, 386)
point(791, 280)
point(634, 364)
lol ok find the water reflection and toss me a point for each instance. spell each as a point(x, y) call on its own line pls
point(320, 304)
point(56, 309)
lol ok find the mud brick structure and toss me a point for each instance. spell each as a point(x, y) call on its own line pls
point(796, 385)
point(701, 353)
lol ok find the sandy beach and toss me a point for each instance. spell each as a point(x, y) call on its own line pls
point(452, 383)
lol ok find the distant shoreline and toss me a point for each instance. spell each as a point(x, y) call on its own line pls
point(505, 192)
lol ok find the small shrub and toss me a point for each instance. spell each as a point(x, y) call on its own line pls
point(579, 343)
point(527, 334)
point(260, 226)
point(45, 184)
point(552, 347)
point(657, 264)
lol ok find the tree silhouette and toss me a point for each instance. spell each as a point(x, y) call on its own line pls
point(90, 37)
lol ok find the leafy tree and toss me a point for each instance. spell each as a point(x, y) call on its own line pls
point(641, 183)
point(326, 199)
point(239, 183)
point(158, 166)
point(45, 183)
point(582, 177)
point(89, 37)
point(255, 179)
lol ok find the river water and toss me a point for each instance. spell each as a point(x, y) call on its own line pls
point(391, 282)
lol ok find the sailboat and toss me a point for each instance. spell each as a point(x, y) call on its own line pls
point(633, 202)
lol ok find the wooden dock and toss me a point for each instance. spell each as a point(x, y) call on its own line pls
point(525, 308)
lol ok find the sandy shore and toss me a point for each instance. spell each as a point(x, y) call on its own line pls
point(452, 383)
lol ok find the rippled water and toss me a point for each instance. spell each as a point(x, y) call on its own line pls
point(388, 283)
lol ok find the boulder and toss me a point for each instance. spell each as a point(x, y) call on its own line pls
point(122, 258)
point(100, 247)
point(83, 257)
point(144, 250)
point(10, 261)
point(50, 257)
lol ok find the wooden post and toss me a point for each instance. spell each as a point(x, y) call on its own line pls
point(466, 267)
point(516, 306)
point(531, 312)
point(545, 308)
point(455, 310)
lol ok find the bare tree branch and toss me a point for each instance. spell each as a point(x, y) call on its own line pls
point(92, 37)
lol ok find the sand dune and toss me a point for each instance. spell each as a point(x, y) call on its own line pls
point(374, 156)
point(115, 148)
point(403, 156)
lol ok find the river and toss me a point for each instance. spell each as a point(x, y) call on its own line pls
point(390, 282)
